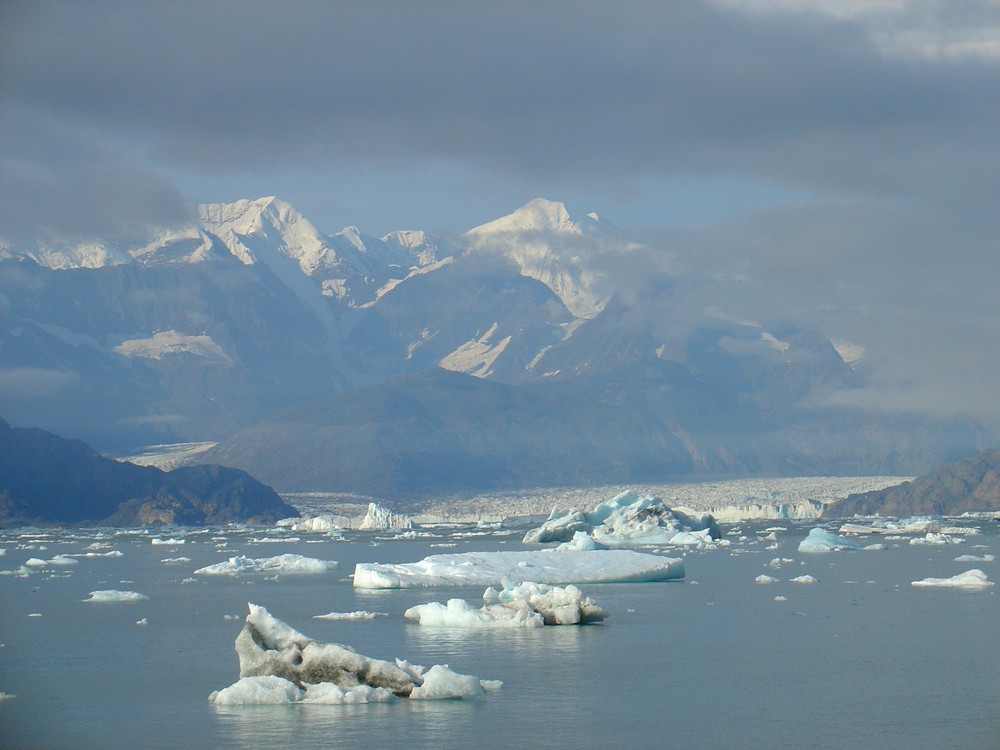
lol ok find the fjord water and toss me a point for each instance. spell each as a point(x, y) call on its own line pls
point(860, 658)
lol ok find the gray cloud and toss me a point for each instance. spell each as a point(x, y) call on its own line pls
point(549, 90)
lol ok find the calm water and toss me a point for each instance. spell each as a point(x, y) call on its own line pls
point(860, 659)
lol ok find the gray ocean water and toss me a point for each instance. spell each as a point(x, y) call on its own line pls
point(859, 659)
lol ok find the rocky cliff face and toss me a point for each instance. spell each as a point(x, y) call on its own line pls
point(972, 484)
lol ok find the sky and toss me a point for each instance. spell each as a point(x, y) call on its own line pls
point(838, 162)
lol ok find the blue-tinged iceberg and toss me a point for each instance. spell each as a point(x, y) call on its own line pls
point(628, 519)
point(821, 540)
point(550, 566)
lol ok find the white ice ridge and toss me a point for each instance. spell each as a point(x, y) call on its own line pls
point(380, 517)
point(357, 615)
point(280, 564)
point(970, 579)
point(529, 605)
point(280, 665)
point(505, 568)
point(113, 595)
point(628, 518)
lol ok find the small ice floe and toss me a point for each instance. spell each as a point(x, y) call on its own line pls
point(323, 522)
point(280, 665)
point(109, 553)
point(113, 595)
point(935, 538)
point(970, 579)
point(6, 696)
point(528, 605)
point(157, 540)
point(975, 558)
point(765, 579)
point(143, 621)
point(777, 562)
point(359, 615)
point(781, 598)
point(175, 560)
point(821, 540)
point(803, 579)
point(287, 564)
point(629, 519)
point(550, 566)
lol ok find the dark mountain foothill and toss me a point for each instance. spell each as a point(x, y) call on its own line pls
point(969, 485)
point(49, 480)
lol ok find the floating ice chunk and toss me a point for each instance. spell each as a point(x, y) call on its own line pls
point(975, 558)
point(529, 605)
point(821, 540)
point(167, 541)
point(359, 615)
point(628, 518)
point(289, 563)
point(935, 538)
point(258, 690)
point(380, 517)
point(970, 579)
point(549, 566)
point(458, 613)
point(175, 560)
point(323, 522)
point(113, 595)
point(440, 682)
point(803, 579)
point(765, 579)
point(280, 665)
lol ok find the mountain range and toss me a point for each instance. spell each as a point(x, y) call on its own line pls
point(535, 349)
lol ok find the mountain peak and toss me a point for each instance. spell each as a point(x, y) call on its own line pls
point(537, 215)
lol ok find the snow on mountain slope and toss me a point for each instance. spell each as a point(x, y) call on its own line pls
point(347, 265)
point(188, 244)
point(547, 245)
point(162, 343)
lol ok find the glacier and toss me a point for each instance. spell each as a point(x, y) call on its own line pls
point(549, 566)
point(278, 664)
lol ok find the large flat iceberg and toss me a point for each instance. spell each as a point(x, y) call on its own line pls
point(627, 519)
point(278, 664)
point(550, 566)
point(279, 564)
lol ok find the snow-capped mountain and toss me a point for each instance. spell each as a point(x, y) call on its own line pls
point(569, 257)
point(199, 331)
point(349, 266)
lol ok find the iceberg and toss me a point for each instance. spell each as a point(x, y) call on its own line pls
point(280, 665)
point(821, 540)
point(970, 579)
point(628, 518)
point(358, 615)
point(112, 595)
point(528, 605)
point(550, 566)
point(380, 517)
point(296, 564)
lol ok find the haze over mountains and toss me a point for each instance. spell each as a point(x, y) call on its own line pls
point(320, 361)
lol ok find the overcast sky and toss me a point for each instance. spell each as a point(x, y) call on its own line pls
point(843, 165)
